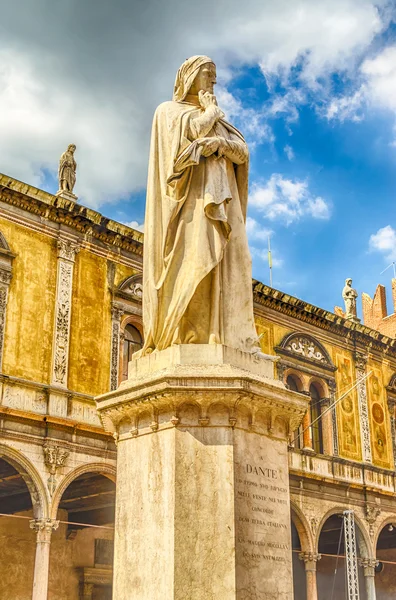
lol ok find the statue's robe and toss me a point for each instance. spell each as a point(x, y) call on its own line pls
point(197, 285)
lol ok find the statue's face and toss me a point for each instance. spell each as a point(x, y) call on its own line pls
point(205, 79)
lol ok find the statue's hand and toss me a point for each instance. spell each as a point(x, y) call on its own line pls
point(206, 99)
point(210, 145)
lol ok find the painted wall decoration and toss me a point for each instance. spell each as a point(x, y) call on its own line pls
point(347, 409)
point(379, 423)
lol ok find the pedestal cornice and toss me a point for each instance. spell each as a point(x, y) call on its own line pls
point(159, 389)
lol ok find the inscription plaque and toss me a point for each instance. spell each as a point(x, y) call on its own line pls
point(262, 511)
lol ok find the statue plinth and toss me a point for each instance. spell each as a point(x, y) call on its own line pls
point(202, 507)
point(67, 195)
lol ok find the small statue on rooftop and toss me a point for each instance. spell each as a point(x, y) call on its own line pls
point(349, 295)
point(67, 172)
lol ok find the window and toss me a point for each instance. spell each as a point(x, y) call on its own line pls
point(316, 423)
point(132, 343)
point(292, 384)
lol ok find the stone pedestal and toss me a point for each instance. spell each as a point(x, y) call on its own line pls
point(202, 506)
point(66, 195)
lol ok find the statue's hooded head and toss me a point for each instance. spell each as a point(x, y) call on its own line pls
point(186, 75)
point(71, 147)
point(348, 281)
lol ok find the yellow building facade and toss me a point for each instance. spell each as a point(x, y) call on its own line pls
point(71, 318)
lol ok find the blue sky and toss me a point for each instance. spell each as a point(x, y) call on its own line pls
point(311, 85)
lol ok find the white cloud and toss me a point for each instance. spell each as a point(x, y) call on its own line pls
point(99, 86)
point(134, 225)
point(255, 231)
point(384, 241)
point(251, 122)
point(287, 200)
point(377, 88)
point(288, 150)
point(345, 108)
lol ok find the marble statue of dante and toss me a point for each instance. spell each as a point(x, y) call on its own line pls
point(349, 295)
point(197, 281)
point(67, 169)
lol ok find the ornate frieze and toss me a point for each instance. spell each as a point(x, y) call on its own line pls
point(360, 366)
point(66, 256)
point(116, 314)
point(54, 458)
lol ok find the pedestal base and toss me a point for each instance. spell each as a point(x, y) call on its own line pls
point(67, 195)
point(202, 508)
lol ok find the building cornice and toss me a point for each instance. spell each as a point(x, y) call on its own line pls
point(319, 317)
point(80, 218)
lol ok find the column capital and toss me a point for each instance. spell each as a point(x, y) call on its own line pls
point(360, 360)
point(116, 312)
point(368, 565)
point(67, 249)
point(44, 528)
point(310, 559)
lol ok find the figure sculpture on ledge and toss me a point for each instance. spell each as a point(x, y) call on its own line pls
point(197, 285)
point(349, 295)
point(67, 171)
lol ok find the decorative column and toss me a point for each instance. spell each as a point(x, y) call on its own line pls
point(43, 529)
point(116, 314)
point(5, 280)
point(392, 406)
point(202, 430)
point(368, 565)
point(327, 426)
point(310, 559)
point(332, 389)
point(360, 366)
point(66, 256)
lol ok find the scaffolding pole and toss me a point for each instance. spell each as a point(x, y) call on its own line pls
point(350, 555)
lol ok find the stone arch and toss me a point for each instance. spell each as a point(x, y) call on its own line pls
point(104, 469)
point(32, 478)
point(301, 383)
point(321, 386)
point(362, 535)
point(390, 519)
point(303, 528)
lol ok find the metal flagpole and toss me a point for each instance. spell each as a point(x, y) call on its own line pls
point(270, 259)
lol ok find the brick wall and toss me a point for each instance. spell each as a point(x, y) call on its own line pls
point(375, 312)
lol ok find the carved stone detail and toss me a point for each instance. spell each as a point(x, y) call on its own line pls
point(310, 559)
point(360, 360)
point(132, 288)
point(306, 347)
point(116, 314)
point(332, 389)
point(54, 458)
point(371, 515)
point(360, 364)
point(67, 250)
point(44, 528)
